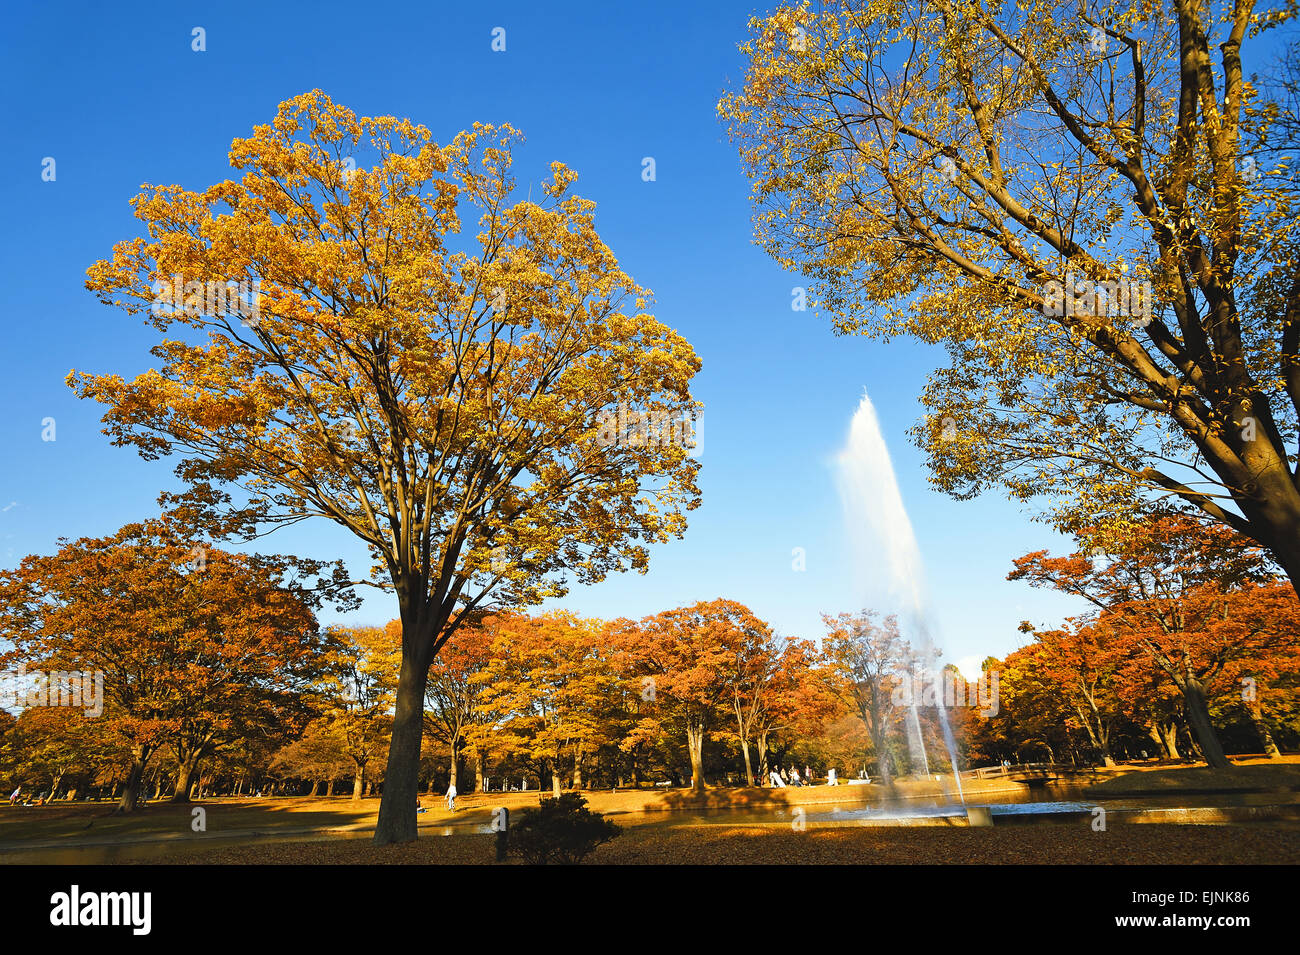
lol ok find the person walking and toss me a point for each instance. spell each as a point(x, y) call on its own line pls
point(451, 798)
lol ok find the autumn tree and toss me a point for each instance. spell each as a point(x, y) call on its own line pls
point(1033, 715)
point(318, 755)
point(1194, 598)
point(799, 699)
point(197, 647)
point(690, 660)
point(871, 660)
point(1091, 206)
point(454, 715)
point(358, 694)
point(370, 327)
point(552, 683)
point(48, 747)
point(769, 672)
point(1083, 660)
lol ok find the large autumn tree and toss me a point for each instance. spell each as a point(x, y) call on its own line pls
point(198, 647)
point(418, 355)
point(694, 661)
point(869, 658)
point(1083, 661)
point(552, 685)
point(1197, 600)
point(1017, 181)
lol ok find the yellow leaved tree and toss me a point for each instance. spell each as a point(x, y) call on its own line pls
point(1092, 206)
point(373, 328)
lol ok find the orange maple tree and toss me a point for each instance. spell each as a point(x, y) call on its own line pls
point(1195, 599)
point(694, 661)
point(198, 647)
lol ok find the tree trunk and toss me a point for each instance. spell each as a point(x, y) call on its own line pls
point(556, 785)
point(762, 757)
point(1098, 736)
point(1265, 736)
point(695, 743)
point(880, 742)
point(480, 767)
point(749, 770)
point(397, 819)
point(131, 790)
point(1165, 735)
point(184, 778)
point(1198, 714)
point(359, 784)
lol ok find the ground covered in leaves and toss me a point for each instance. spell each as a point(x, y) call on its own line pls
point(1073, 844)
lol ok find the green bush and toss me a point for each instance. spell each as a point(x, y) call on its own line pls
point(562, 831)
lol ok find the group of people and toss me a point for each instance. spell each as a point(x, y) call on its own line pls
point(781, 778)
point(29, 801)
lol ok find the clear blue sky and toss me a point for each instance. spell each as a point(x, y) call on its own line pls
point(114, 93)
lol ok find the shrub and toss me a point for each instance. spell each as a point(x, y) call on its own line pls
point(562, 831)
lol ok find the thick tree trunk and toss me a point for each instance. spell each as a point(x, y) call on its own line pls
point(695, 744)
point(762, 758)
point(184, 778)
point(880, 742)
point(480, 767)
point(556, 785)
point(1265, 736)
point(131, 789)
point(1198, 714)
point(749, 769)
point(397, 819)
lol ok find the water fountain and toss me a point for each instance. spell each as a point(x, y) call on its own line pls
point(872, 501)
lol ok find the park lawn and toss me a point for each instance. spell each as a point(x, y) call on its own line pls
point(82, 822)
point(96, 821)
point(1075, 844)
point(1252, 775)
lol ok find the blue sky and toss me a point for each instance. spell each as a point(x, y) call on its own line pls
point(118, 98)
